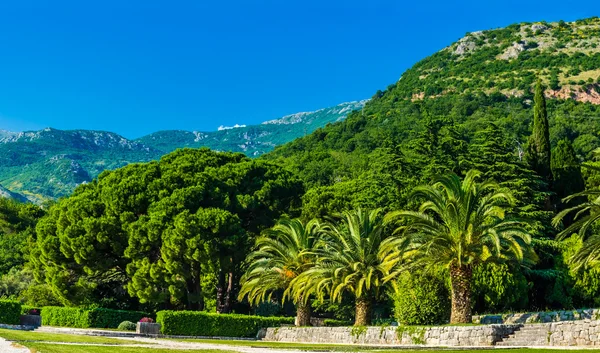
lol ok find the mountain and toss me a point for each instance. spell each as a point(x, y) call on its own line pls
point(253, 140)
point(7, 194)
point(50, 163)
point(566, 56)
point(429, 121)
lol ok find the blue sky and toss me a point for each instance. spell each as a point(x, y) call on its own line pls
point(134, 67)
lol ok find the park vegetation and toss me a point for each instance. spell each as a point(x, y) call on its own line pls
point(421, 211)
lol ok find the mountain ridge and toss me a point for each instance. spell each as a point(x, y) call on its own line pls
point(49, 163)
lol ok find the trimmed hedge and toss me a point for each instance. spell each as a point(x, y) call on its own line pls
point(10, 312)
point(25, 309)
point(336, 323)
point(86, 318)
point(197, 323)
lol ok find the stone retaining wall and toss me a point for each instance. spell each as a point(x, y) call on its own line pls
point(538, 317)
point(484, 335)
point(573, 333)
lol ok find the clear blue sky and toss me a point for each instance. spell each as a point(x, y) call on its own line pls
point(134, 67)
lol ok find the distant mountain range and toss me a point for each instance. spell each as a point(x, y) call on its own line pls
point(50, 163)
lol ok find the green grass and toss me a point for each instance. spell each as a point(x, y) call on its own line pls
point(365, 348)
point(29, 336)
point(57, 348)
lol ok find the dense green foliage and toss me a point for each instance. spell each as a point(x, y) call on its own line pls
point(127, 326)
point(10, 312)
point(469, 155)
point(539, 152)
point(281, 254)
point(336, 323)
point(191, 323)
point(174, 231)
point(351, 258)
point(65, 317)
point(421, 300)
point(88, 318)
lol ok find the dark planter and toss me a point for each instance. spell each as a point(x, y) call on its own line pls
point(31, 320)
point(148, 328)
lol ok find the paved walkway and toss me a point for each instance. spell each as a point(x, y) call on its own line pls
point(8, 347)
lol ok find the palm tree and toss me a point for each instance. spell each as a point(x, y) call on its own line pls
point(586, 214)
point(349, 259)
point(458, 226)
point(282, 253)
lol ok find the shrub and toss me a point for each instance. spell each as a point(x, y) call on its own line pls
point(85, 318)
point(421, 300)
point(127, 326)
point(499, 288)
point(147, 319)
point(10, 312)
point(336, 323)
point(196, 323)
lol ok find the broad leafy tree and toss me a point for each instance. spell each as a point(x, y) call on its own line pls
point(460, 225)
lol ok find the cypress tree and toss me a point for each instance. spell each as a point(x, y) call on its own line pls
point(539, 154)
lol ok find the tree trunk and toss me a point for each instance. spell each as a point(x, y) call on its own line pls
point(363, 312)
point(460, 279)
point(220, 291)
point(303, 313)
point(229, 294)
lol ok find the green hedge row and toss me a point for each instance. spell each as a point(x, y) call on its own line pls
point(336, 323)
point(26, 309)
point(197, 323)
point(86, 318)
point(10, 312)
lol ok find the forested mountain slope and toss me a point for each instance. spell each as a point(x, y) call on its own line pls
point(428, 120)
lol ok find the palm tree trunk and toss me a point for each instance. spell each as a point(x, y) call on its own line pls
point(363, 312)
point(460, 279)
point(303, 313)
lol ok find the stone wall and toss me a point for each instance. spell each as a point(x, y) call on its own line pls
point(538, 317)
point(483, 335)
point(574, 333)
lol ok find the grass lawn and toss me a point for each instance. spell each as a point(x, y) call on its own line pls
point(32, 336)
point(358, 348)
point(57, 348)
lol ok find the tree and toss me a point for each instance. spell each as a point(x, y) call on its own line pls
point(162, 232)
point(281, 254)
point(586, 216)
point(539, 153)
point(350, 258)
point(495, 154)
point(566, 170)
point(459, 226)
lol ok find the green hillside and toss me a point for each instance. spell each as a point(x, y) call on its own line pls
point(50, 163)
point(426, 122)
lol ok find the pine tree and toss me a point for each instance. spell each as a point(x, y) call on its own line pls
point(539, 154)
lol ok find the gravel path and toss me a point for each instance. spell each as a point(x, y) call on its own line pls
point(170, 344)
point(7, 347)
